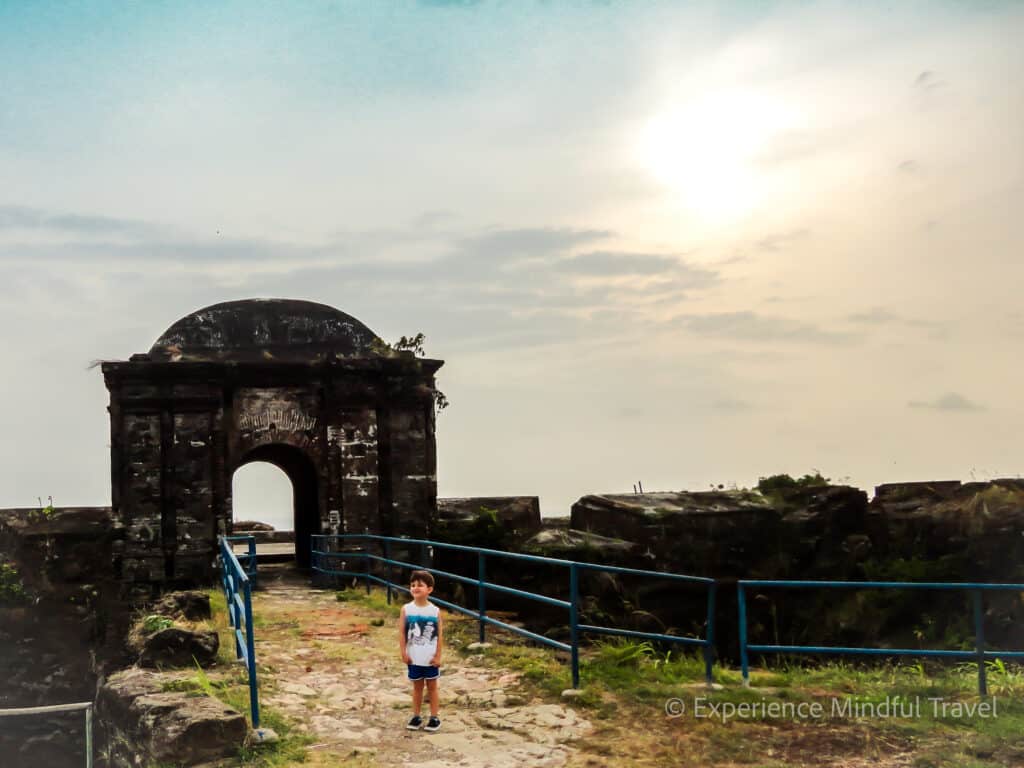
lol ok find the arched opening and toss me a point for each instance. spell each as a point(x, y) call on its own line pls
point(262, 493)
point(305, 502)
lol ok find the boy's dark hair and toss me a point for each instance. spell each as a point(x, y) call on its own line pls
point(423, 576)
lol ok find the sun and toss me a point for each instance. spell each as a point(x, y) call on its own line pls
point(705, 150)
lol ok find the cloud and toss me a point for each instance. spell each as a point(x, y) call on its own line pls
point(875, 316)
point(618, 264)
point(927, 81)
point(951, 401)
point(881, 317)
point(516, 286)
point(750, 326)
point(13, 217)
point(772, 243)
point(512, 244)
point(608, 263)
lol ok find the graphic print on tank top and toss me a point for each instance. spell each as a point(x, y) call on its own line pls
point(421, 632)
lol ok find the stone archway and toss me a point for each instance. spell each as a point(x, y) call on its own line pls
point(301, 471)
point(299, 384)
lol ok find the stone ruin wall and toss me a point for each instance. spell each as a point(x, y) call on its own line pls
point(361, 458)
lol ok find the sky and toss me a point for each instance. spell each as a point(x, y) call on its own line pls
point(680, 244)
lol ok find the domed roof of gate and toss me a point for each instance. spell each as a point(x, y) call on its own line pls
point(265, 330)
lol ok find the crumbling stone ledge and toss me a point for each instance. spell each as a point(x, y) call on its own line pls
point(147, 724)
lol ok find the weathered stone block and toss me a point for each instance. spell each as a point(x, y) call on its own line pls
point(146, 724)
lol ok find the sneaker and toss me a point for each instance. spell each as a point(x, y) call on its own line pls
point(415, 724)
point(433, 724)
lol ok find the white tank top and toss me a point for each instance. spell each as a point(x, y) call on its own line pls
point(421, 632)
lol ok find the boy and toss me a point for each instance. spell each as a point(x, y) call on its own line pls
point(419, 642)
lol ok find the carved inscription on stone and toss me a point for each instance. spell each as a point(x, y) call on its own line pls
point(287, 419)
point(277, 424)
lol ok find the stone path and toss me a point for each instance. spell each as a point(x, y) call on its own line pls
point(341, 681)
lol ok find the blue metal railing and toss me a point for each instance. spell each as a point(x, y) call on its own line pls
point(248, 560)
point(977, 591)
point(326, 549)
point(238, 592)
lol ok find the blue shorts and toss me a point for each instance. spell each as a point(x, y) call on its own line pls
point(418, 672)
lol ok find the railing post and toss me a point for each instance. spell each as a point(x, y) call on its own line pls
point(88, 736)
point(250, 644)
point(741, 600)
point(366, 559)
point(251, 570)
point(574, 632)
point(709, 635)
point(481, 593)
point(387, 568)
point(979, 641)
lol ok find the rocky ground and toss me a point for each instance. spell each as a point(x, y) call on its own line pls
point(345, 686)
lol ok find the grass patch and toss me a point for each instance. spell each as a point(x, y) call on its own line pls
point(155, 623)
point(231, 687)
point(376, 600)
point(626, 683)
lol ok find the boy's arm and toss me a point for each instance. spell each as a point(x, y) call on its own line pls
point(401, 637)
point(436, 661)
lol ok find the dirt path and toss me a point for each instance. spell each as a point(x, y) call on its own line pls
point(341, 681)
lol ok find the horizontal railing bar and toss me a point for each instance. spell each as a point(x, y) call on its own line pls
point(503, 625)
point(235, 565)
point(882, 585)
point(527, 633)
point(637, 572)
point(528, 595)
point(341, 554)
point(76, 707)
point(494, 622)
point(862, 651)
point(988, 654)
point(414, 566)
point(329, 572)
point(645, 635)
point(468, 612)
point(462, 547)
point(487, 585)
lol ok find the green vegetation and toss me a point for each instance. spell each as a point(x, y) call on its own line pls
point(44, 512)
point(375, 601)
point(626, 682)
point(233, 690)
point(413, 345)
point(155, 623)
point(485, 530)
point(12, 590)
point(773, 484)
point(228, 683)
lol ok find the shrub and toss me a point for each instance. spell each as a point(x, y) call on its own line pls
point(776, 483)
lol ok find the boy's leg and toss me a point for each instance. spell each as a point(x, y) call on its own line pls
point(417, 696)
point(435, 697)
